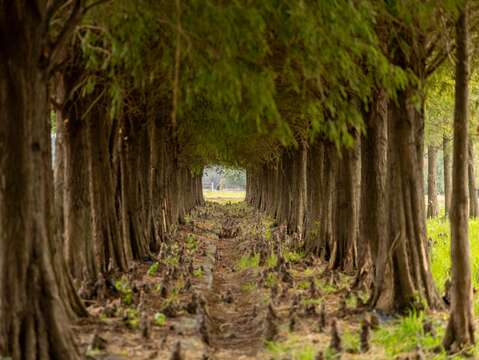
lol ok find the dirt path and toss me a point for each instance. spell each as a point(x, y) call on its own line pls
point(236, 310)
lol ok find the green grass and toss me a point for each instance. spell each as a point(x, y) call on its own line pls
point(439, 232)
point(292, 347)
point(248, 262)
point(405, 334)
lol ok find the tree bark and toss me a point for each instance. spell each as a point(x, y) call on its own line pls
point(106, 228)
point(460, 328)
point(447, 174)
point(403, 265)
point(432, 205)
point(78, 234)
point(473, 200)
point(373, 225)
point(315, 170)
point(33, 324)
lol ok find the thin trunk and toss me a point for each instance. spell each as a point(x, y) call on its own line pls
point(460, 328)
point(432, 206)
point(473, 200)
point(447, 174)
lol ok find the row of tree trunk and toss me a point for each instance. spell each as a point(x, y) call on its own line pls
point(362, 208)
point(432, 193)
point(119, 183)
point(118, 187)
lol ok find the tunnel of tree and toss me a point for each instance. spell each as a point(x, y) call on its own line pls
point(353, 123)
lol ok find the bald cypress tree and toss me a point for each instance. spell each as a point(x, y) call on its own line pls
point(460, 329)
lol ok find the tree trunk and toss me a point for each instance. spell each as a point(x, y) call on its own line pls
point(403, 267)
point(34, 324)
point(447, 174)
point(432, 206)
point(315, 169)
point(460, 328)
point(473, 201)
point(373, 225)
point(346, 217)
point(301, 158)
point(78, 234)
point(106, 228)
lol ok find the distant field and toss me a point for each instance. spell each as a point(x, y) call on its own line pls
point(224, 196)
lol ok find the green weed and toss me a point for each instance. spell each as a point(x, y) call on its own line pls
point(248, 262)
point(153, 269)
point(272, 261)
point(198, 272)
point(159, 319)
point(294, 256)
point(405, 334)
point(190, 242)
point(123, 287)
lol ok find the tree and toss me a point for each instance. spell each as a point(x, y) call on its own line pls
point(34, 321)
point(432, 205)
point(460, 328)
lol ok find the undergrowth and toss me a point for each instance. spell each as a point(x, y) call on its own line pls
point(439, 241)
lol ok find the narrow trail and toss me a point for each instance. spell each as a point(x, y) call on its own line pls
point(236, 313)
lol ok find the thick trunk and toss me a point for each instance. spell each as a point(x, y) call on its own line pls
point(78, 235)
point(447, 174)
point(131, 176)
point(460, 329)
point(106, 228)
point(34, 324)
point(373, 225)
point(315, 166)
point(473, 200)
point(432, 206)
point(346, 218)
point(403, 266)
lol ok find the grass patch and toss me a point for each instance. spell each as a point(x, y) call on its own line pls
point(294, 256)
point(438, 231)
point(292, 348)
point(439, 235)
point(249, 286)
point(248, 262)
point(405, 334)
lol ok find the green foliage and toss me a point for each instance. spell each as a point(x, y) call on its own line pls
point(132, 318)
point(191, 243)
point(248, 286)
point(405, 334)
point(198, 272)
point(253, 76)
point(294, 256)
point(271, 261)
point(248, 262)
point(439, 232)
point(291, 348)
point(159, 319)
point(153, 269)
point(123, 287)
